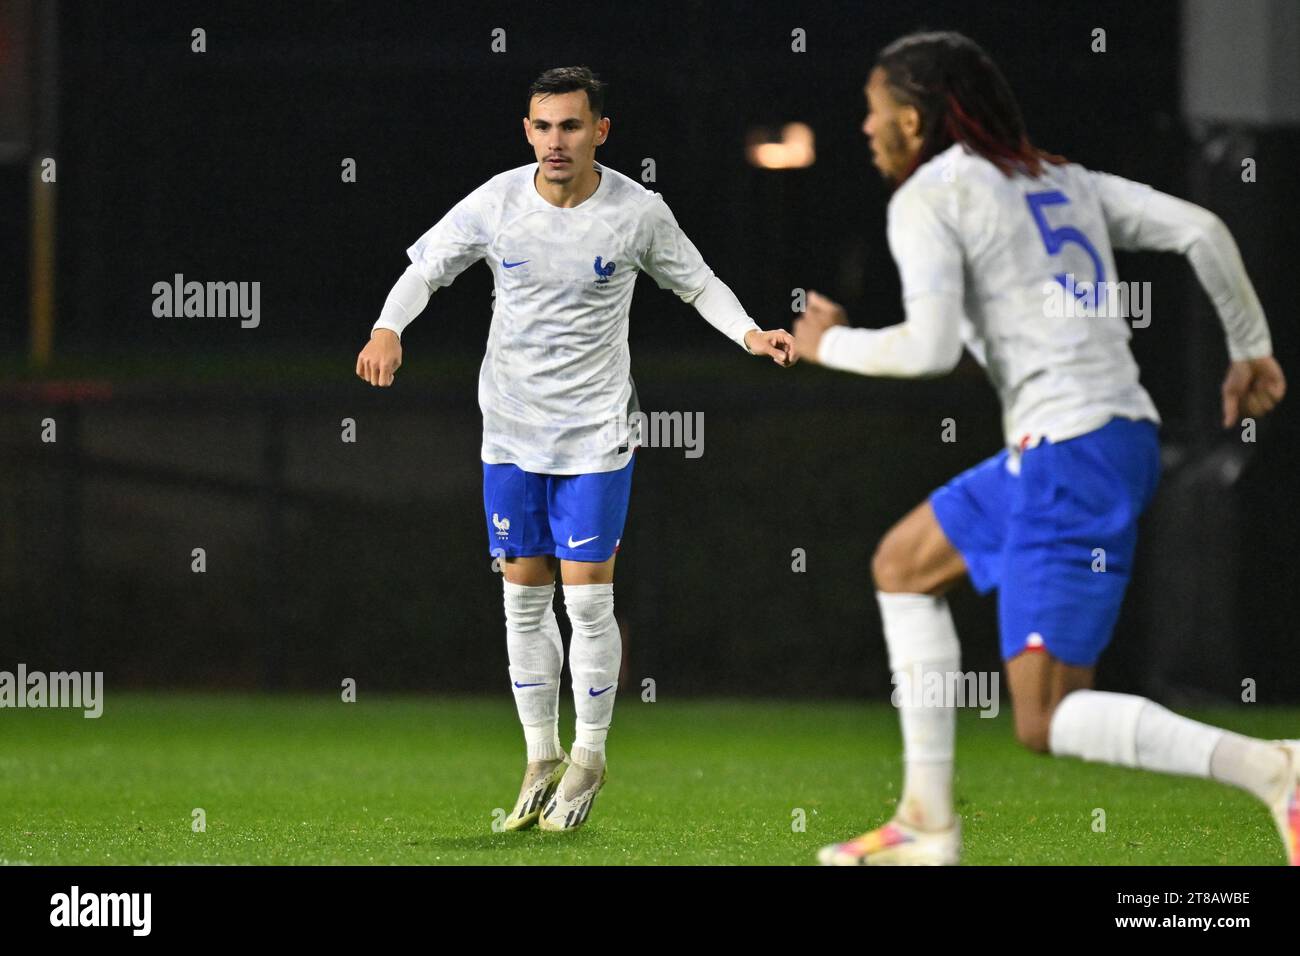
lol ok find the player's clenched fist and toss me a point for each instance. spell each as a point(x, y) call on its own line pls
point(778, 343)
point(1251, 388)
point(381, 357)
point(819, 315)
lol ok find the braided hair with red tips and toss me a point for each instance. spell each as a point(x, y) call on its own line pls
point(962, 97)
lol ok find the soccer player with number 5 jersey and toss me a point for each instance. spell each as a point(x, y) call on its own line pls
point(987, 231)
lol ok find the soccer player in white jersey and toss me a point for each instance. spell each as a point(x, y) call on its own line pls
point(985, 230)
point(565, 238)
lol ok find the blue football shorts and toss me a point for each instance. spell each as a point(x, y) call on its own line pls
point(1056, 540)
point(574, 517)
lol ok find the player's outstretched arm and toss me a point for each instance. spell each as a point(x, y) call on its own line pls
point(927, 343)
point(457, 241)
point(672, 260)
point(382, 355)
point(926, 249)
point(718, 305)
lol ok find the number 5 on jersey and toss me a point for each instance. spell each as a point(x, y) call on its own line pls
point(1055, 239)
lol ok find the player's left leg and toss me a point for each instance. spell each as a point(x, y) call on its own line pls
point(1065, 570)
point(1038, 682)
point(1057, 712)
point(587, 516)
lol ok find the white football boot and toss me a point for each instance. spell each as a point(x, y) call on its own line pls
point(897, 844)
point(569, 808)
point(541, 777)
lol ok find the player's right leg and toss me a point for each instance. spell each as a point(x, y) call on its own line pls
point(917, 561)
point(514, 504)
point(914, 564)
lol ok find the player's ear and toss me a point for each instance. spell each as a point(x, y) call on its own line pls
point(909, 121)
point(528, 130)
point(602, 130)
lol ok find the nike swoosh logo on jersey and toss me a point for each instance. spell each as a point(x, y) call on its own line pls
point(542, 684)
point(578, 544)
point(511, 265)
point(596, 693)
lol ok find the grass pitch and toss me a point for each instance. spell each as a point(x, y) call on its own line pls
point(401, 780)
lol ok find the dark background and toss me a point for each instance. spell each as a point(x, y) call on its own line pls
point(368, 560)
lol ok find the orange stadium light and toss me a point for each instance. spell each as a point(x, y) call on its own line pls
point(793, 150)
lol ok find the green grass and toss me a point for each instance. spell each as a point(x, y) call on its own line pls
point(416, 780)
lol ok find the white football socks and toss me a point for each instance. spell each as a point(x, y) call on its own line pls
point(1132, 731)
point(536, 658)
point(921, 638)
point(1252, 764)
point(595, 655)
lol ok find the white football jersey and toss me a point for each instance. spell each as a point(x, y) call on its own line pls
point(996, 263)
point(959, 226)
point(555, 386)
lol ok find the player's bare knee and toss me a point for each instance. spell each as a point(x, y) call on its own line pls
point(1033, 732)
point(891, 566)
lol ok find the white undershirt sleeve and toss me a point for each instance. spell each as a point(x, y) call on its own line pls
point(452, 245)
point(926, 248)
point(927, 343)
point(721, 309)
point(1140, 217)
point(406, 300)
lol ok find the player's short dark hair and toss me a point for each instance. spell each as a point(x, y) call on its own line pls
point(568, 79)
point(962, 97)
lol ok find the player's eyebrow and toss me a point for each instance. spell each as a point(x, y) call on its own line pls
point(543, 122)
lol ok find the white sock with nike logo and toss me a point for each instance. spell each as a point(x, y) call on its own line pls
point(595, 655)
point(536, 659)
